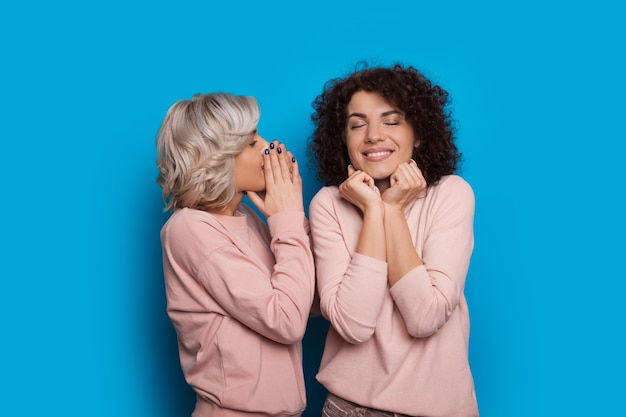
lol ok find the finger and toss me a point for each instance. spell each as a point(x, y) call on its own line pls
point(417, 169)
point(411, 172)
point(351, 170)
point(416, 174)
point(412, 179)
point(284, 161)
point(295, 171)
point(415, 177)
point(393, 179)
point(371, 183)
point(290, 159)
point(362, 177)
point(399, 175)
point(267, 167)
point(276, 173)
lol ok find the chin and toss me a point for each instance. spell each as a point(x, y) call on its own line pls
point(379, 174)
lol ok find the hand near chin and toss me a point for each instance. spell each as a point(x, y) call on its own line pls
point(406, 184)
point(359, 189)
point(283, 184)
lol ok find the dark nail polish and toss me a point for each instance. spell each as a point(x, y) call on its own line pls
point(279, 150)
point(267, 152)
point(293, 159)
point(272, 145)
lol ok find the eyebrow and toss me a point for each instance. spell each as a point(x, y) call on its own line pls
point(383, 114)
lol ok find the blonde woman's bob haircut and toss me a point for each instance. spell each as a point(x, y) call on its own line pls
point(196, 147)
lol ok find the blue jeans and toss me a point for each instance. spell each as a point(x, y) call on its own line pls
point(338, 407)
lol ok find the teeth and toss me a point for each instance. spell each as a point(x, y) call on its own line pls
point(378, 153)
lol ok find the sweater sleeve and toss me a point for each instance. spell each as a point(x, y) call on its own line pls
point(278, 307)
point(428, 294)
point(351, 286)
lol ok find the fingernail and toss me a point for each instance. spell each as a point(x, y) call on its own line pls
point(272, 145)
point(293, 159)
point(279, 150)
point(267, 152)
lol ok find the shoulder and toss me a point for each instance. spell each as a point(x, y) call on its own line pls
point(190, 237)
point(453, 182)
point(187, 218)
point(179, 219)
point(327, 200)
point(453, 186)
point(325, 197)
point(451, 194)
point(187, 226)
point(326, 193)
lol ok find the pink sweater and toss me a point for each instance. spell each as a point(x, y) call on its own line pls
point(239, 297)
point(402, 349)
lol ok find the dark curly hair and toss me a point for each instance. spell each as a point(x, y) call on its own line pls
point(425, 106)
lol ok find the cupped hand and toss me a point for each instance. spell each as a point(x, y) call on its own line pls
point(359, 189)
point(405, 184)
point(283, 184)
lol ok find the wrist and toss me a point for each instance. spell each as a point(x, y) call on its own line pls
point(390, 208)
point(374, 210)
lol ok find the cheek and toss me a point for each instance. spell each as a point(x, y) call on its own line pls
point(353, 156)
point(351, 145)
point(411, 148)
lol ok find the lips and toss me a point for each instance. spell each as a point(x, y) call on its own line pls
point(378, 153)
point(375, 154)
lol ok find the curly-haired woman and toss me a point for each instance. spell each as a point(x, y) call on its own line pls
point(238, 291)
point(392, 238)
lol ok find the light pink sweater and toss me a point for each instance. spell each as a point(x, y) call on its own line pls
point(239, 297)
point(403, 349)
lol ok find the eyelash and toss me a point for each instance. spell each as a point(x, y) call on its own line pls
point(387, 123)
point(253, 143)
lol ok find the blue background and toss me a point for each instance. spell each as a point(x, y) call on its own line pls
point(538, 90)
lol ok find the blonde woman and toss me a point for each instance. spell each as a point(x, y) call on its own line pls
point(239, 290)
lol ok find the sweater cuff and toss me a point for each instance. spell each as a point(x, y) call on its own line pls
point(369, 265)
point(416, 281)
point(288, 222)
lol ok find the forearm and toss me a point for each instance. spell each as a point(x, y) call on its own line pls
point(373, 236)
point(400, 249)
point(351, 300)
point(352, 286)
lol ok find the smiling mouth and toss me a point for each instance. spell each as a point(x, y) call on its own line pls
point(376, 154)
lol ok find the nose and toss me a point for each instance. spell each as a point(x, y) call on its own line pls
point(263, 143)
point(373, 134)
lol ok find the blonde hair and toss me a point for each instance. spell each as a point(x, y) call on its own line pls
point(196, 146)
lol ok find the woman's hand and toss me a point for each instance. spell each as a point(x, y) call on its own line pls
point(283, 184)
point(360, 190)
point(405, 184)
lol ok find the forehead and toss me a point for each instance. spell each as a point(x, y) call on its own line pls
point(365, 101)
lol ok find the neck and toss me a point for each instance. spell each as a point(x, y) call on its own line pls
point(382, 185)
point(231, 208)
